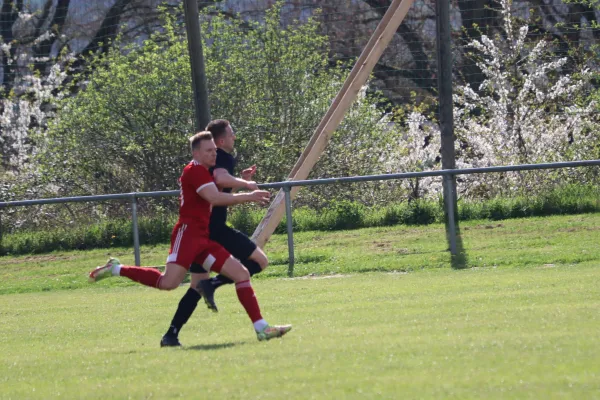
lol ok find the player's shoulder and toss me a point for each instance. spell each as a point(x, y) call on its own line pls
point(225, 160)
point(194, 167)
point(223, 155)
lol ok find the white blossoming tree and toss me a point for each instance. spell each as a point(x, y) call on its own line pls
point(526, 111)
point(33, 71)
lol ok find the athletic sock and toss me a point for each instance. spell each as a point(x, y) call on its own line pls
point(252, 266)
point(248, 299)
point(260, 325)
point(116, 269)
point(185, 309)
point(145, 276)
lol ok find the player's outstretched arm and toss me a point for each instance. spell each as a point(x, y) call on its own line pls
point(224, 180)
point(211, 194)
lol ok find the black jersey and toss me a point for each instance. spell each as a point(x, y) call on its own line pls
point(227, 162)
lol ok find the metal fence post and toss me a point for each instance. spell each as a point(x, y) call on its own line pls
point(449, 204)
point(136, 234)
point(290, 229)
point(1, 248)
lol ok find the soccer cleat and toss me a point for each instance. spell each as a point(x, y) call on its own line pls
point(169, 341)
point(207, 291)
point(103, 272)
point(274, 331)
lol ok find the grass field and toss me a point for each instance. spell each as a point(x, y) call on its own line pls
point(521, 322)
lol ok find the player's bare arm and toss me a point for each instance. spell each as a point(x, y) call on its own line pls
point(224, 180)
point(211, 194)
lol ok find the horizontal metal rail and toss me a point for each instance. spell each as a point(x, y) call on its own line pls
point(83, 199)
point(311, 182)
point(287, 185)
point(441, 172)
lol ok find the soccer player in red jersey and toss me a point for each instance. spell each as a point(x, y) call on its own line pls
point(235, 242)
point(190, 238)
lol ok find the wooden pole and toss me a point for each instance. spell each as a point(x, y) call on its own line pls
point(200, 87)
point(356, 80)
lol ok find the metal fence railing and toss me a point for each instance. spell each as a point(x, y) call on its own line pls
point(451, 225)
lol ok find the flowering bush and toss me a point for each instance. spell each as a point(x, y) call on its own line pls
point(525, 111)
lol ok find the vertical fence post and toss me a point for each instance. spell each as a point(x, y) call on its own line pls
point(290, 229)
point(449, 204)
point(192, 26)
point(444, 64)
point(1, 248)
point(136, 235)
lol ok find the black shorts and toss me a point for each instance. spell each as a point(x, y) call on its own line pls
point(235, 242)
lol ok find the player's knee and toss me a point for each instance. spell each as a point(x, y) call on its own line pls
point(168, 285)
point(243, 274)
point(260, 258)
point(264, 262)
point(239, 273)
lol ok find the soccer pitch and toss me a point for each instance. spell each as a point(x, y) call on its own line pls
point(496, 332)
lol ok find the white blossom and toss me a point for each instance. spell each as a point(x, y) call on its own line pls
point(520, 115)
point(27, 109)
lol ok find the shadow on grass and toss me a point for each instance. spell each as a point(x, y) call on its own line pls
point(213, 346)
point(460, 260)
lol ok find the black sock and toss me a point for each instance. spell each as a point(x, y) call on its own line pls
point(252, 266)
point(186, 308)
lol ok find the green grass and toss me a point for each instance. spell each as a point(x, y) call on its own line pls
point(559, 240)
point(492, 333)
point(339, 215)
point(521, 322)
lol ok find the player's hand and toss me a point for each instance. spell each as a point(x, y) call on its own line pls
point(251, 185)
point(248, 173)
point(260, 196)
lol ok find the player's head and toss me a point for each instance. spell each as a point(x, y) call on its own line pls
point(204, 149)
point(223, 134)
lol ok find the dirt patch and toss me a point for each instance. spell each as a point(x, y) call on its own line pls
point(579, 229)
point(35, 259)
point(317, 276)
point(382, 245)
point(488, 226)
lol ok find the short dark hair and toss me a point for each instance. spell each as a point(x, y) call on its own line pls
point(217, 127)
point(198, 138)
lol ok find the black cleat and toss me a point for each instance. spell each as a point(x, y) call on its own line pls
point(207, 291)
point(169, 341)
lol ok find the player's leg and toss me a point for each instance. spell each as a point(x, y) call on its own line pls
point(185, 308)
point(217, 259)
point(241, 247)
point(148, 276)
point(240, 275)
point(183, 251)
point(259, 257)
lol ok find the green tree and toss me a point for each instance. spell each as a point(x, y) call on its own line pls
point(126, 129)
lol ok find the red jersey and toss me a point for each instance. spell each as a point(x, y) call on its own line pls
point(193, 209)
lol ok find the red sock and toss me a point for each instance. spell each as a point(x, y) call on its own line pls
point(247, 297)
point(145, 276)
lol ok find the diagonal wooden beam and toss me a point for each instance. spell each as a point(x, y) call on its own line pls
point(359, 75)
